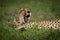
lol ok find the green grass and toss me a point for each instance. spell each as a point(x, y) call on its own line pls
point(9, 33)
point(41, 10)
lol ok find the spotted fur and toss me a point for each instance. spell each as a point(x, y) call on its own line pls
point(55, 24)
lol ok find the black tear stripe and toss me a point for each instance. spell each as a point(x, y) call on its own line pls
point(28, 16)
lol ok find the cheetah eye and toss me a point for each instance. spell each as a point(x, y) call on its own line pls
point(28, 11)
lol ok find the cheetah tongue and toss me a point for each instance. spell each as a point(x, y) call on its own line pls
point(26, 19)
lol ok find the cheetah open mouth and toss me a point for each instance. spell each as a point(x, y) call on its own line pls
point(26, 18)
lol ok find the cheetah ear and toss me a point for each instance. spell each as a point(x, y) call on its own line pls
point(21, 9)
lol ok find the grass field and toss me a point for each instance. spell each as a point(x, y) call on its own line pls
point(41, 10)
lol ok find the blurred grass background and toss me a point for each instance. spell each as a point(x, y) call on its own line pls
point(40, 9)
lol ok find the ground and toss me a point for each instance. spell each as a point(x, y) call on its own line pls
point(41, 10)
